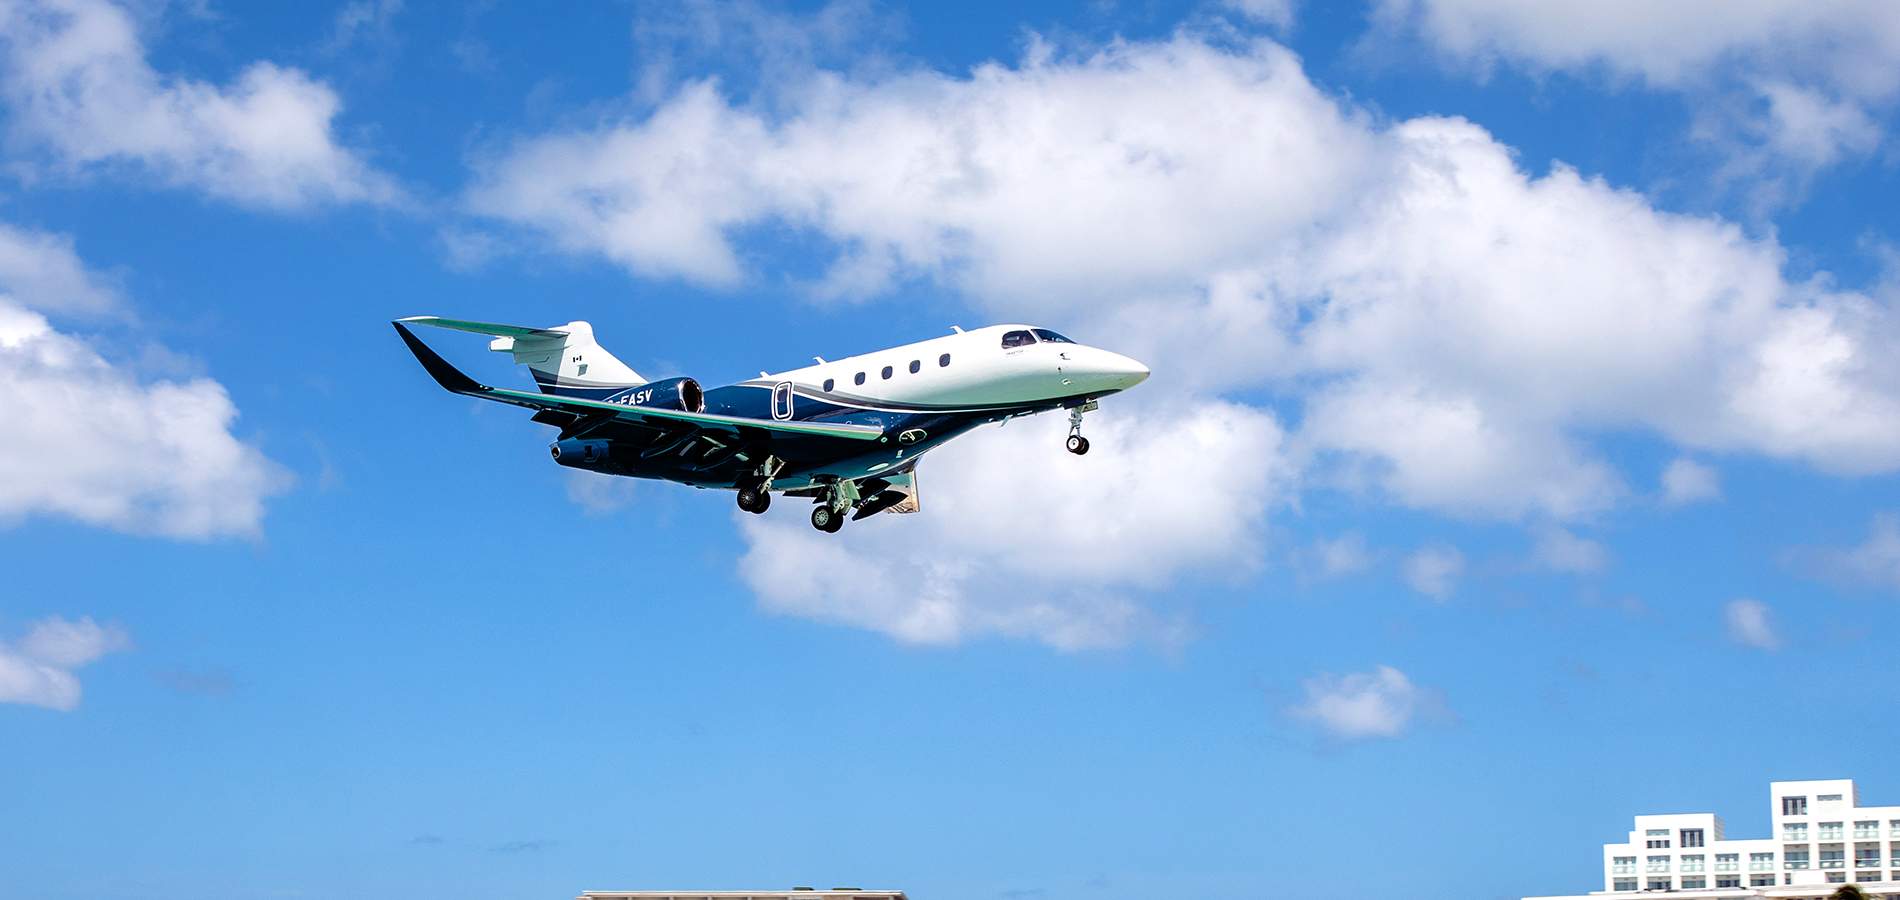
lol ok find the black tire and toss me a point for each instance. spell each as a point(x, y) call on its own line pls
point(1078, 444)
point(837, 524)
point(822, 518)
point(754, 500)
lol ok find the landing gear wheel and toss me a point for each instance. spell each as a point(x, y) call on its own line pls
point(825, 519)
point(754, 500)
point(1078, 444)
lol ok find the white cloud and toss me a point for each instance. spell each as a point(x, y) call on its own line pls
point(45, 267)
point(1025, 540)
point(1749, 625)
point(1686, 481)
point(1278, 13)
point(79, 89)
point(1874, 561)
point(1791, 81)
point(1434, 570)
point(1361, 705)
point(89, 440)
point(1335, 557)
point(1450, 330)
point(1559, 550)
point(596, 494)
point(38, 668)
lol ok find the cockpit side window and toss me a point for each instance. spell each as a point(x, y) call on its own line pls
point(1018, 339)
point(1051, 336)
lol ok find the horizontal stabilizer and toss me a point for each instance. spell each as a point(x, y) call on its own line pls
point(485, 327)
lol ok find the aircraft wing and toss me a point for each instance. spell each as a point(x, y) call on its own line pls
point(453, 380)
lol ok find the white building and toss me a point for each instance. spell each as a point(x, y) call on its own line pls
point(1822, 838)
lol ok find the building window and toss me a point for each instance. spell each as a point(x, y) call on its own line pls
point(1761, 862)
point(1624, 865)
point(828, 383)
point(1727, 862)
point(1728, 881)
point(943, 362)
point(1696, 883)
point(1659, 884)
point(1836, 877)
point(1691, 837)
point(1828, 798)
point(1794, 806)
point(1794, 831)
point(887, 373)
point(1868, 877)
point(1866, 857)
point(1833, 859)
point(1692, 863)
point(1830, 831)
point(1893, 825)
point(1867, 829)
point(915, 366)
point(1761, 881)
point(859, 379)
point(1794, 859)
point(1657, 864)
point(1623, 884)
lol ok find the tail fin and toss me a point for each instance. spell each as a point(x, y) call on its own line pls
point(564, 359)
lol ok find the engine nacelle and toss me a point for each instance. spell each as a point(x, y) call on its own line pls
point(667, 393)
point(579, 454)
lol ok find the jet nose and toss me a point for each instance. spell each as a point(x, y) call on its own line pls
point(1124, 371)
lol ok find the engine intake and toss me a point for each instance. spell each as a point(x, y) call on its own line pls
point(668, 393)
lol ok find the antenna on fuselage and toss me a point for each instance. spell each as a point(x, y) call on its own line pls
point(819, 359)
point(957, 328)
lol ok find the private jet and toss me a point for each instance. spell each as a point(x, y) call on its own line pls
point(847, 433)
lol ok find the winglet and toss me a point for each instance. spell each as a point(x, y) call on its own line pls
point(448, 376)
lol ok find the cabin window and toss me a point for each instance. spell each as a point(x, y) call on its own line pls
point(1018, 339)
point(828, 383)
point(943, 361)
point(1051, 336)
point(887, 373)
point(859, 379)
point(915, 366)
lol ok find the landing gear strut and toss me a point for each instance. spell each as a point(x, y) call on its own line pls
point(755, 495)
point(1078, 444)
point(839, 497)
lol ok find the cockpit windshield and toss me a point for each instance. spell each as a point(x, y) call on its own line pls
point(1051, 336)
point(1017, 339)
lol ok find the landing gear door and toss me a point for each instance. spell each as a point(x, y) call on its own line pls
point(782, 400)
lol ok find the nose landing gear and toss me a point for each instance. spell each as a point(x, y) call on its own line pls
point(1078, 444)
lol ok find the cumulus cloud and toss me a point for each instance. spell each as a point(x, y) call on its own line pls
point(80, 92)
point(1686, 481)
point(1434, 570)
point(37, 669)
point(91, 441)
point(1794, 80)
point(1361, 705)
point(1874, 562)
point(1560, 550)
point(1444, 329)
point(1749, 625)
point(1028, 541)
point(1336, 557)
point(47, 268)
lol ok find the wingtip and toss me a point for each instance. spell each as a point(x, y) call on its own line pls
point(446, 375)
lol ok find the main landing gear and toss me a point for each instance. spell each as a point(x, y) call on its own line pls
point(1078, 444)
point(838, 499)
point(755, 496)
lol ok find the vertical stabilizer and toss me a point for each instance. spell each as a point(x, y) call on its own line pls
point(564, 360)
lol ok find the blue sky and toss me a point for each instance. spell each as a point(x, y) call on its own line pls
point(1519, 457)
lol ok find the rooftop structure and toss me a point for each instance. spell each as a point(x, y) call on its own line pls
point(1822, 838)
